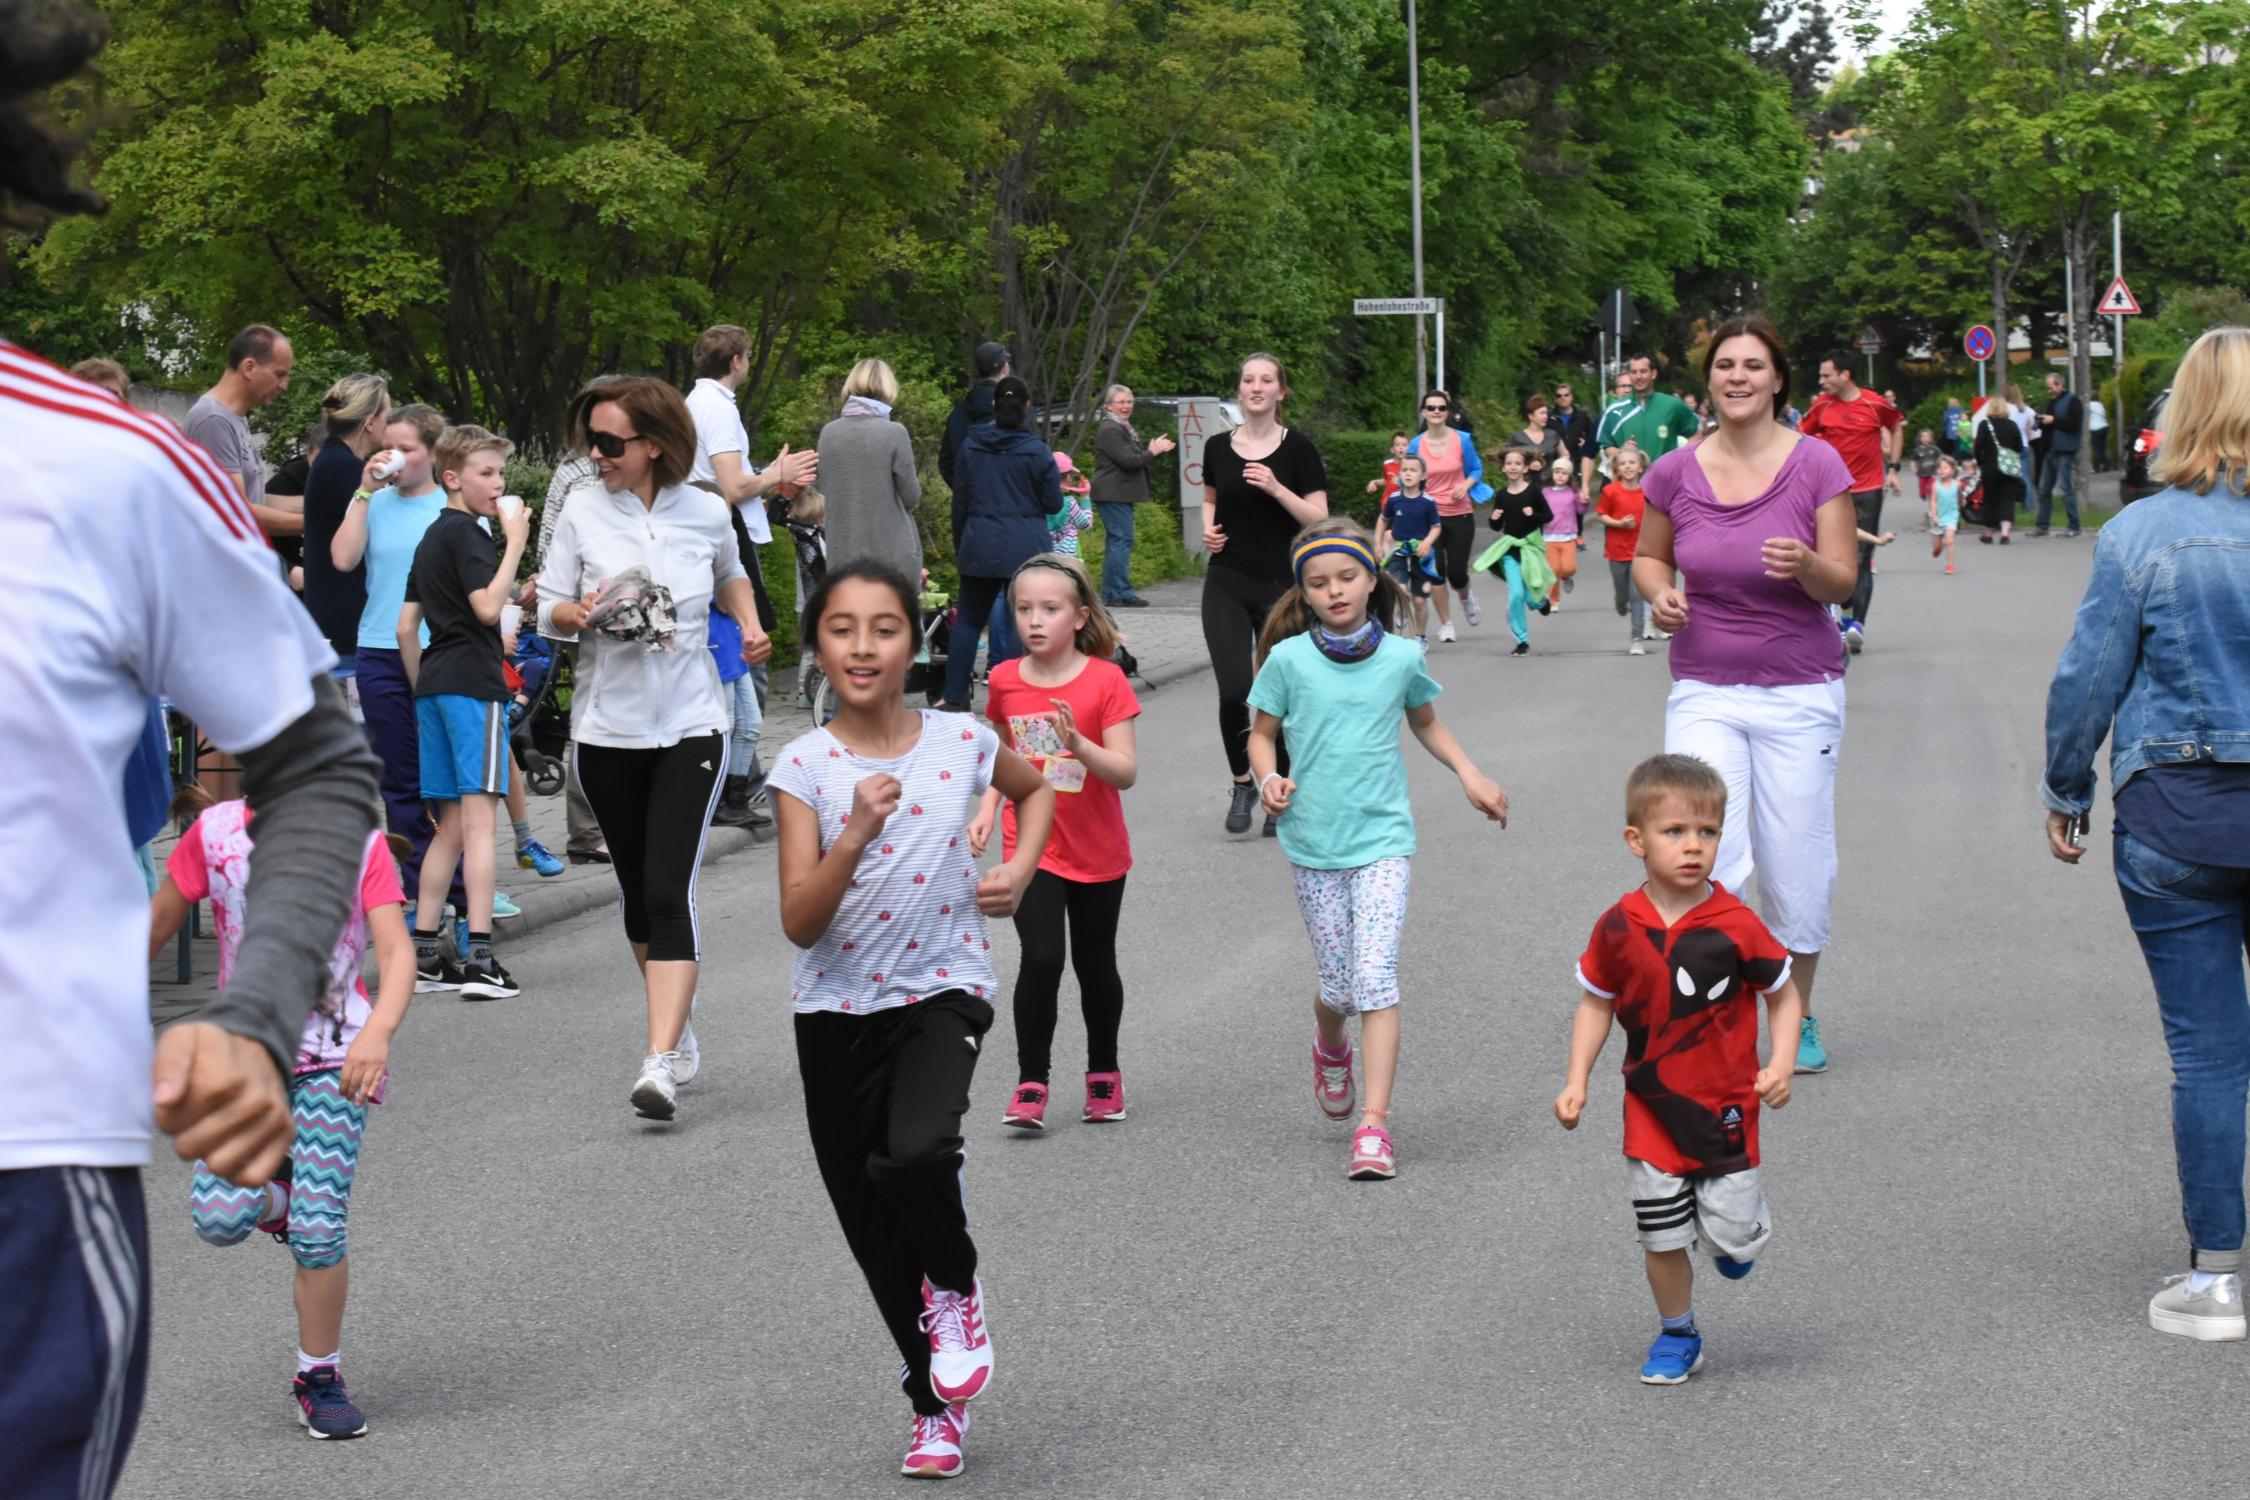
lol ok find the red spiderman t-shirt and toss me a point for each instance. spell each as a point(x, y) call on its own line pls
point(1683, 995)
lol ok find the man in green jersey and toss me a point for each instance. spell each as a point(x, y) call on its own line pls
point(1654, 421)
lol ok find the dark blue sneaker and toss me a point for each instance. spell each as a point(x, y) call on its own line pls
point(1673, 1358)
point(1732, 1269)
point(323, 1406)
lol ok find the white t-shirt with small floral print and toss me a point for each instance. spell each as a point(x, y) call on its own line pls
point(908, 928)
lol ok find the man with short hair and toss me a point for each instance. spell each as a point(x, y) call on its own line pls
point(722, 466)
point(991, 365)
point(259, 360)
point(2064, 422)
point(1121, 463)
point(1577, 429)
point(1653, 420)
point(1869, 434)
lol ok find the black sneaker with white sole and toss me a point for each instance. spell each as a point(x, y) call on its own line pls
point(438, 971)
point(487, 981)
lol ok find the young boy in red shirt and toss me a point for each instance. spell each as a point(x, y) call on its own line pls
point(1675, 963)
point(1618, 513)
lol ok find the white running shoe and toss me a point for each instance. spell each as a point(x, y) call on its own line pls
point(687, 1057)
point(1469, 603)
point(960, 1349)
point(1445, 632)
point(656, 1092)
point(1636, 649)
point(2212, 1315)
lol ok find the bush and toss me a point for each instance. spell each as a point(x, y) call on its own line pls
point(1353, 458)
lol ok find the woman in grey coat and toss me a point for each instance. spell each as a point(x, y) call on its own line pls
point(867, 475)
point(1121, 463)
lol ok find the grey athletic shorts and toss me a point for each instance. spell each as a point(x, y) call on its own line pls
point(1729, 1214)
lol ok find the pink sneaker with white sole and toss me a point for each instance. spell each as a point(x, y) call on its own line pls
point(960, 1349)
point(1105, 1098)
point(1332, 1085)
point(935, 1452)
point(1027, 1107)
point(1371, 1155)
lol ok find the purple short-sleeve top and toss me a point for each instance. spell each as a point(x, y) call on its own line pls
point(1745, 629)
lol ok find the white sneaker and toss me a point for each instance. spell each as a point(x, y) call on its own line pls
point(1445, 632)
point(1636, 649)
point(960, 1349)
point(656, 1093)
point(2212, 1315)
point(1469, 603)
point(687, 1057)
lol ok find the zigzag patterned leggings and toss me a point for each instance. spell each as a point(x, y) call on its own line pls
point(322, 1160)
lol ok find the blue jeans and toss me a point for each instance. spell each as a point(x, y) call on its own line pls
point(2054, 466)
point(1117, 549)
point(749, 718)
point(2192, 922)
point(981, 602)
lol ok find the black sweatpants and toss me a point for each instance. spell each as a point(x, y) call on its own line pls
point(1868, 504)
point(1235, 607)
point(884, 1097)
point(1090, 911)
point(654, 807)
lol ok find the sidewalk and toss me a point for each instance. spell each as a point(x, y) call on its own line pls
point(1167, 637)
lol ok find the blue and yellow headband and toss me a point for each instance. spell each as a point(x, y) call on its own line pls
point(1350, 546)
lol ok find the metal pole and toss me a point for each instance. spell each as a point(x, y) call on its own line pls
point(1414, 135)
point(1980, 377)
point(2117, 268)
point(2070, 309)
point(1441, 346)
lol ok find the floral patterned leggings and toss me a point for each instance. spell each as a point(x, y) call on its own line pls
point(1356, 919)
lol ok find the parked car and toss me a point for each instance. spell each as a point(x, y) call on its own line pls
point(2136, 483)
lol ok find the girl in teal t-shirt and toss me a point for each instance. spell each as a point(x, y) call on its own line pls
point(1335, 676)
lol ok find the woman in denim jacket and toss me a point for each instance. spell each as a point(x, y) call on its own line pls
point(2157, 662)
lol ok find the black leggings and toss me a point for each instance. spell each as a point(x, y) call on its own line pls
point(1091, 912)
point(1867, 506)
point(884, 1097)
point(654, 807)
point(1456, 545)
point(1235, 607)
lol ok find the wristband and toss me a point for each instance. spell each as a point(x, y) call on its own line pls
point(1269, 776)
point(362, 495)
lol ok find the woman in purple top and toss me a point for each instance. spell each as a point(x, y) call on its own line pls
point(1749, 536)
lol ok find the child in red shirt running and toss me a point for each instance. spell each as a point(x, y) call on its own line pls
point(1069, 710)
point(1619, 515)
point(1387, 486)
point(1675, 964)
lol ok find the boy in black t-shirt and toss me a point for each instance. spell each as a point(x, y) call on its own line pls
point(458, 586)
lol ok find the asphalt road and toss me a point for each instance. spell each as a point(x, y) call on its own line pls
point(552, 1298)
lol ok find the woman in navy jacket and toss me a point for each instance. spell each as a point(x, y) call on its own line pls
point(1009, 486)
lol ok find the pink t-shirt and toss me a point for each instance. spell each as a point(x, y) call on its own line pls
point(1745, 629)
point(1089, 843)
point(212, 861)
point(1568, 505)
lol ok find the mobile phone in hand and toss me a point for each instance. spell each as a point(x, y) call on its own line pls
point(2077, 830)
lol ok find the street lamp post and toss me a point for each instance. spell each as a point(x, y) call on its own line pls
point(1414, 135)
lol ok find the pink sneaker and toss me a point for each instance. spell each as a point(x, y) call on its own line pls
point(1332, 1082)
point(960, 1350)
point(1105, 1098)
point(1371, 1155)
point(935, 1452)
point(1027, 1110)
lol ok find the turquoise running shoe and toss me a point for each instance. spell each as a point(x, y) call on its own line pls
point(1673, 1358)
point(1811, 1056)
point(533, 855)
point(503, 908)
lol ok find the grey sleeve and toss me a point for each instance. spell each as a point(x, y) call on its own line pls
point(904, 481)
point(313, 786)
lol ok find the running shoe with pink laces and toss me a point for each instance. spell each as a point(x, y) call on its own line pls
point(1027, 1107)
point(960, 1349)
point(1371, 1155)
point(1332, 1085)
point(935, 1452)
point(1105, 1098)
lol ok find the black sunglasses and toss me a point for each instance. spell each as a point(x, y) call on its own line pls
point(1433, 407)
point(610, 444)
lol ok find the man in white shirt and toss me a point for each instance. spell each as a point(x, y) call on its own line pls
point(130, 567)
point(723, 466)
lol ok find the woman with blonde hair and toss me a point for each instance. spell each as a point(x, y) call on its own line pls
point(2155, 664)
point(356, 409)
point(2000, 456)
point(867, 472)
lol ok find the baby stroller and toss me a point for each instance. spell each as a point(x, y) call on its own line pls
point(531, 673)
point(926, 676)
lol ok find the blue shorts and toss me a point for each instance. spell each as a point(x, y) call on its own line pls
point(73, 1328)
point(464, 746)
point(1413, 574)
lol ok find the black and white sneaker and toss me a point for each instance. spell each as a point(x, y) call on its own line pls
point(487, 981)
point(439, 971)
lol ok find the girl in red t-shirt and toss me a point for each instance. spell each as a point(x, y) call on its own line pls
point(1619, 515)
point(1067, 708)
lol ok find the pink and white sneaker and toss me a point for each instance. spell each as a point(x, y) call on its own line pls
point(1105, 1098)
point(1371, 1155)
point(1332, 1085)
point(935, 1452)
point(960, 1350)
point(1027, 1107)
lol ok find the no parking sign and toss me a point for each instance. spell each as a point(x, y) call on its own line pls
point(1979, 343)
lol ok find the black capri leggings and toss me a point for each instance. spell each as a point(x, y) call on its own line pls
point(1235, 607)
point(1456, 545)
point(654, 807)
point(1091, 913)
